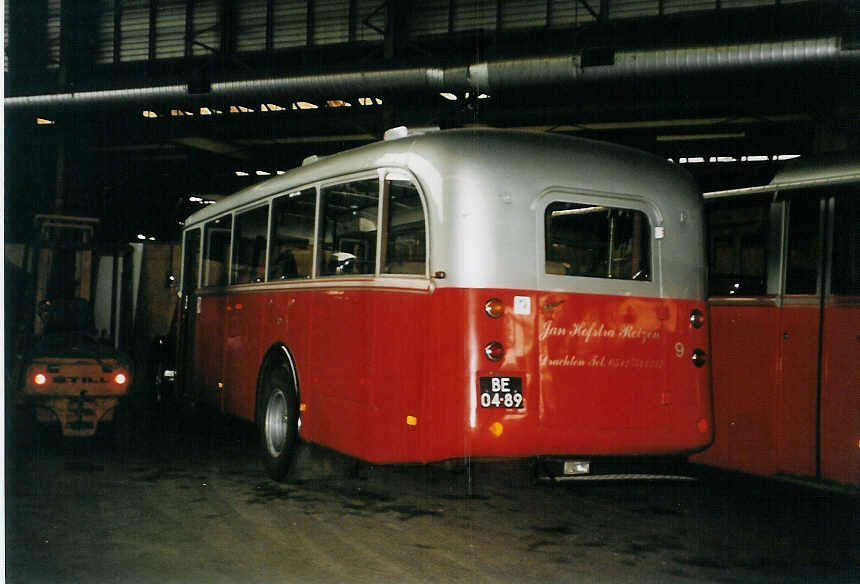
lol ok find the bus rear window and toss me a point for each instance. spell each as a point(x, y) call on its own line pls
point(597, 241)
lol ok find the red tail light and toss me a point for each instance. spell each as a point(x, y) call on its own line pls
point(40, 379)
point(120, 378)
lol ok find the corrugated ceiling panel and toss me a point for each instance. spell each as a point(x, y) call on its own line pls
point(134, 30)
point(170, 29)
point(430, 17)
point(331, 21)
point(675, 6)
point(104, 50)
point(474, 15)
point(373, 11)
point(251, 25)
point(206, 29)
point(523, 13)
point(570, 13)
point(633, 8)
point(52, 33)
point(290, 27)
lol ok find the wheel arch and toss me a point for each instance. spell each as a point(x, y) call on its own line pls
point(278, 355)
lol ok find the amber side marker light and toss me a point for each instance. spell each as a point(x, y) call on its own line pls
point(494, 308)
point(697, 318)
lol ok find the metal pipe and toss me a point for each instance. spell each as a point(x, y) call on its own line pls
point(565, 70)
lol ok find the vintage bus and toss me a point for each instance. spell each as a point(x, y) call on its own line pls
point(449, 294)
point(785, 323)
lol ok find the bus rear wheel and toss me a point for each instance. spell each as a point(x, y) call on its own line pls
point(278, 423)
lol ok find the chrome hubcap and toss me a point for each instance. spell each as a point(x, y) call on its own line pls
point(276, 423)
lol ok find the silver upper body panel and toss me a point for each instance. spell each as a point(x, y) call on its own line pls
point(486, 192)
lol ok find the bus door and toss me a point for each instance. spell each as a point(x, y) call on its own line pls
point(188, 308)
point(211, 312)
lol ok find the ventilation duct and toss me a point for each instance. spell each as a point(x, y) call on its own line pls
point(486, 77)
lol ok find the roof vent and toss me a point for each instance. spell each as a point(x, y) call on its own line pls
point(403, 132)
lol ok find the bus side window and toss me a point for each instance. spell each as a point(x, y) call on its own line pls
point(216, 250)
point(737, 246)
point(846, 249)
point(291, 253)
point(597, 241)
point(249, 246)
point(406, 238)
point(802, 260)
point(190, 263)
point(348, 235)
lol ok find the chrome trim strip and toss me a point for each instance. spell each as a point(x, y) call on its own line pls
point(417, 283)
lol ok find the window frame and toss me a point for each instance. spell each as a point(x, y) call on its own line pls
point(229, 260)
point(590, 283)
point(267, 204)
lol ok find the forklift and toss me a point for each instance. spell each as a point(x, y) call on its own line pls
point(66, 371)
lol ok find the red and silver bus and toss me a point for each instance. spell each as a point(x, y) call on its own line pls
point(448, 294)
point(784, 290)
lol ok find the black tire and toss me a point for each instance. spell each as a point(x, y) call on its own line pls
point(277, 422)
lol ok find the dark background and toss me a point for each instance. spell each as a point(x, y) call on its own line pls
point(97, 63)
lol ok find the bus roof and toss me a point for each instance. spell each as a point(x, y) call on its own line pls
point(539, 152)
point(831, 169)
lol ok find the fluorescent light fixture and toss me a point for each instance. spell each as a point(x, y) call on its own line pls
point(271, 107)
point(149, 114)
point(691, 137)
point(152, 239)
point(304, 105)
point(194, 199)
point(755, 158)
point(369, 101)
point(786, 156)
point(282, 172)
point(483, 96)
point(449, 96)
point(263, 173)
point(141, 236)
point(205, 111)
point(338, 103)
point(45, 122)
point(241, 173)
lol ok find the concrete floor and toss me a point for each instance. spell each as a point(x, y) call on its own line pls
point(189, 503)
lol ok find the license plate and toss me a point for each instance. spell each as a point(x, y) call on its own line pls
point(501, 392)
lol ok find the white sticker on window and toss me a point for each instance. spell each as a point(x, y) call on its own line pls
point(522, 305)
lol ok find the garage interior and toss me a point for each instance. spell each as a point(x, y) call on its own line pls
point(137, 112)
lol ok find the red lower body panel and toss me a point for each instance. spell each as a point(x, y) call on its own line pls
point(395, 375)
